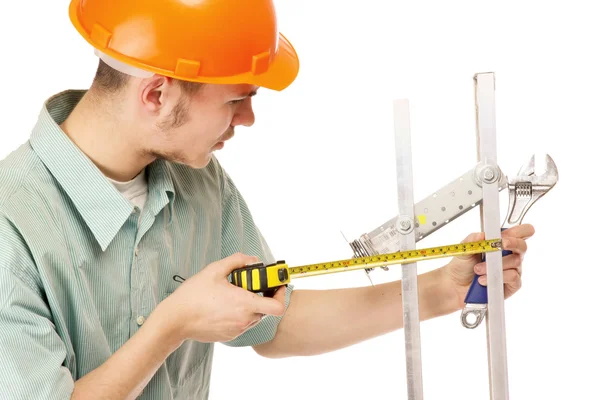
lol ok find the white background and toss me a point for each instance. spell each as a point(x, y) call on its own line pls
point(320, 160)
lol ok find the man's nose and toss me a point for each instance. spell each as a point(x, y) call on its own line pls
point(245, 114)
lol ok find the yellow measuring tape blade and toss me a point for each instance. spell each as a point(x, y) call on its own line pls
point(259, 277)
point(402, 257)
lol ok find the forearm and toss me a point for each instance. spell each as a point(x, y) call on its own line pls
point(319, 321)
point(125, 374)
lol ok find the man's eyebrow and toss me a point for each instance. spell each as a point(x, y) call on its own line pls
point(248, 93)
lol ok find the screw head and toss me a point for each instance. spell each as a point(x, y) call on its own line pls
point(405, 225)
point(489, 175)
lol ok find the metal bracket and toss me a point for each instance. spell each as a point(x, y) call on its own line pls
point(432, 213)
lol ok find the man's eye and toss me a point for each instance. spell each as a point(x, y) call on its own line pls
point(236, 101)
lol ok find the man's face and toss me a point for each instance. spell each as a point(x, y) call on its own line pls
point(198, 124)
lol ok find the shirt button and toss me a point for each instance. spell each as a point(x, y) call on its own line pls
point(140, 320)
point(136, 251)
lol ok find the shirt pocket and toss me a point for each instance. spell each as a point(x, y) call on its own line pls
point(191, 362)
point(168, 289)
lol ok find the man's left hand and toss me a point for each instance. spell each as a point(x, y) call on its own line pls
point(460, 272)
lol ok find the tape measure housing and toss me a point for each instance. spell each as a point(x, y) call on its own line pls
point(261, 278)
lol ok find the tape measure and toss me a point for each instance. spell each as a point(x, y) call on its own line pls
point(261, 278)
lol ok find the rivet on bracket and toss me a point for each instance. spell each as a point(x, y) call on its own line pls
point(487, 174)
point(405, 225)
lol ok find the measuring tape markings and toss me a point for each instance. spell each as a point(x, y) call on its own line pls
point(260, 278)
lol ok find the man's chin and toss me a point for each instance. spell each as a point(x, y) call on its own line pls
point(219, 145)
point(198, 163)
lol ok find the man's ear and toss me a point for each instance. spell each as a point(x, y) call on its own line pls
point(154, 92)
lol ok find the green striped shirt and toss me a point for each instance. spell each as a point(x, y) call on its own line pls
point(81, 267)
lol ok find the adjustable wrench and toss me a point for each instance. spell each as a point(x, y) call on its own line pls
point(523, 190)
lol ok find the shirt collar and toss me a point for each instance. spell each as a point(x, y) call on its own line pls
point(161, 190)
point(101, 205)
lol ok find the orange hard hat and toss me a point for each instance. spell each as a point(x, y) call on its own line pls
point(212, 41)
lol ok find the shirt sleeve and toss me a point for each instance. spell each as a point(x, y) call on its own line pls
point(31, 352)
point(240, 233)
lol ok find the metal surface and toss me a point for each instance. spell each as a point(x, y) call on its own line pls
point(524, 190)
point(406, 239)
point(359, 251)
point(472, 315)
point(490, 218)
point(432, 213)
point(527, 188)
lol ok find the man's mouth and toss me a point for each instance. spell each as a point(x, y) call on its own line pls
point(227, 136)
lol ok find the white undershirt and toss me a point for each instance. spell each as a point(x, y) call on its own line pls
point(135, 190)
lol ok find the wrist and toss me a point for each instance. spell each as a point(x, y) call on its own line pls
point(166, 322)
point(437, 296)
point(448, 290)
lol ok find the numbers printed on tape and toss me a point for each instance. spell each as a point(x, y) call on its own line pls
point(260, 278)
point(402, 257)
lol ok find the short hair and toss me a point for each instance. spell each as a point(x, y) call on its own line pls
point(109, 80)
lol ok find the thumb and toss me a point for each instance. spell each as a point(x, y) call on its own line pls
point(280, 294)
point(238, 260)
point(473, 237)
point(273, 305)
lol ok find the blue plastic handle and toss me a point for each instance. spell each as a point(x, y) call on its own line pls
point(477, 293)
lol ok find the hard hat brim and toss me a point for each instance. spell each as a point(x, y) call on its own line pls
point(283, 70)
point(280, 73)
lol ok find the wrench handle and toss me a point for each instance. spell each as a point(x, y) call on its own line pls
point(477, 293)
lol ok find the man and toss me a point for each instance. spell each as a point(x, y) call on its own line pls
point(119, 227)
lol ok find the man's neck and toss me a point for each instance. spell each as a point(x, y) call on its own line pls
point(96, 127)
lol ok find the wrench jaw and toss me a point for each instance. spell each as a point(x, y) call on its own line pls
point(523, 190)
point(551, 174)
point(528, 168)
point(546, 180)
point(527, 172)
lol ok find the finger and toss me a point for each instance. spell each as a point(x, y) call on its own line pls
point(512, 282)
point(234, 261)
point(511, 279)
point(280, 294)
point(512, 261)
point(516, 245)
point(523, 231)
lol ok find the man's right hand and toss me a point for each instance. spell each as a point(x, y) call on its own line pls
point(208, 308)
point(205, 308)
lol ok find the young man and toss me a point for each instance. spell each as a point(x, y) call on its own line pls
point(118, 191)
